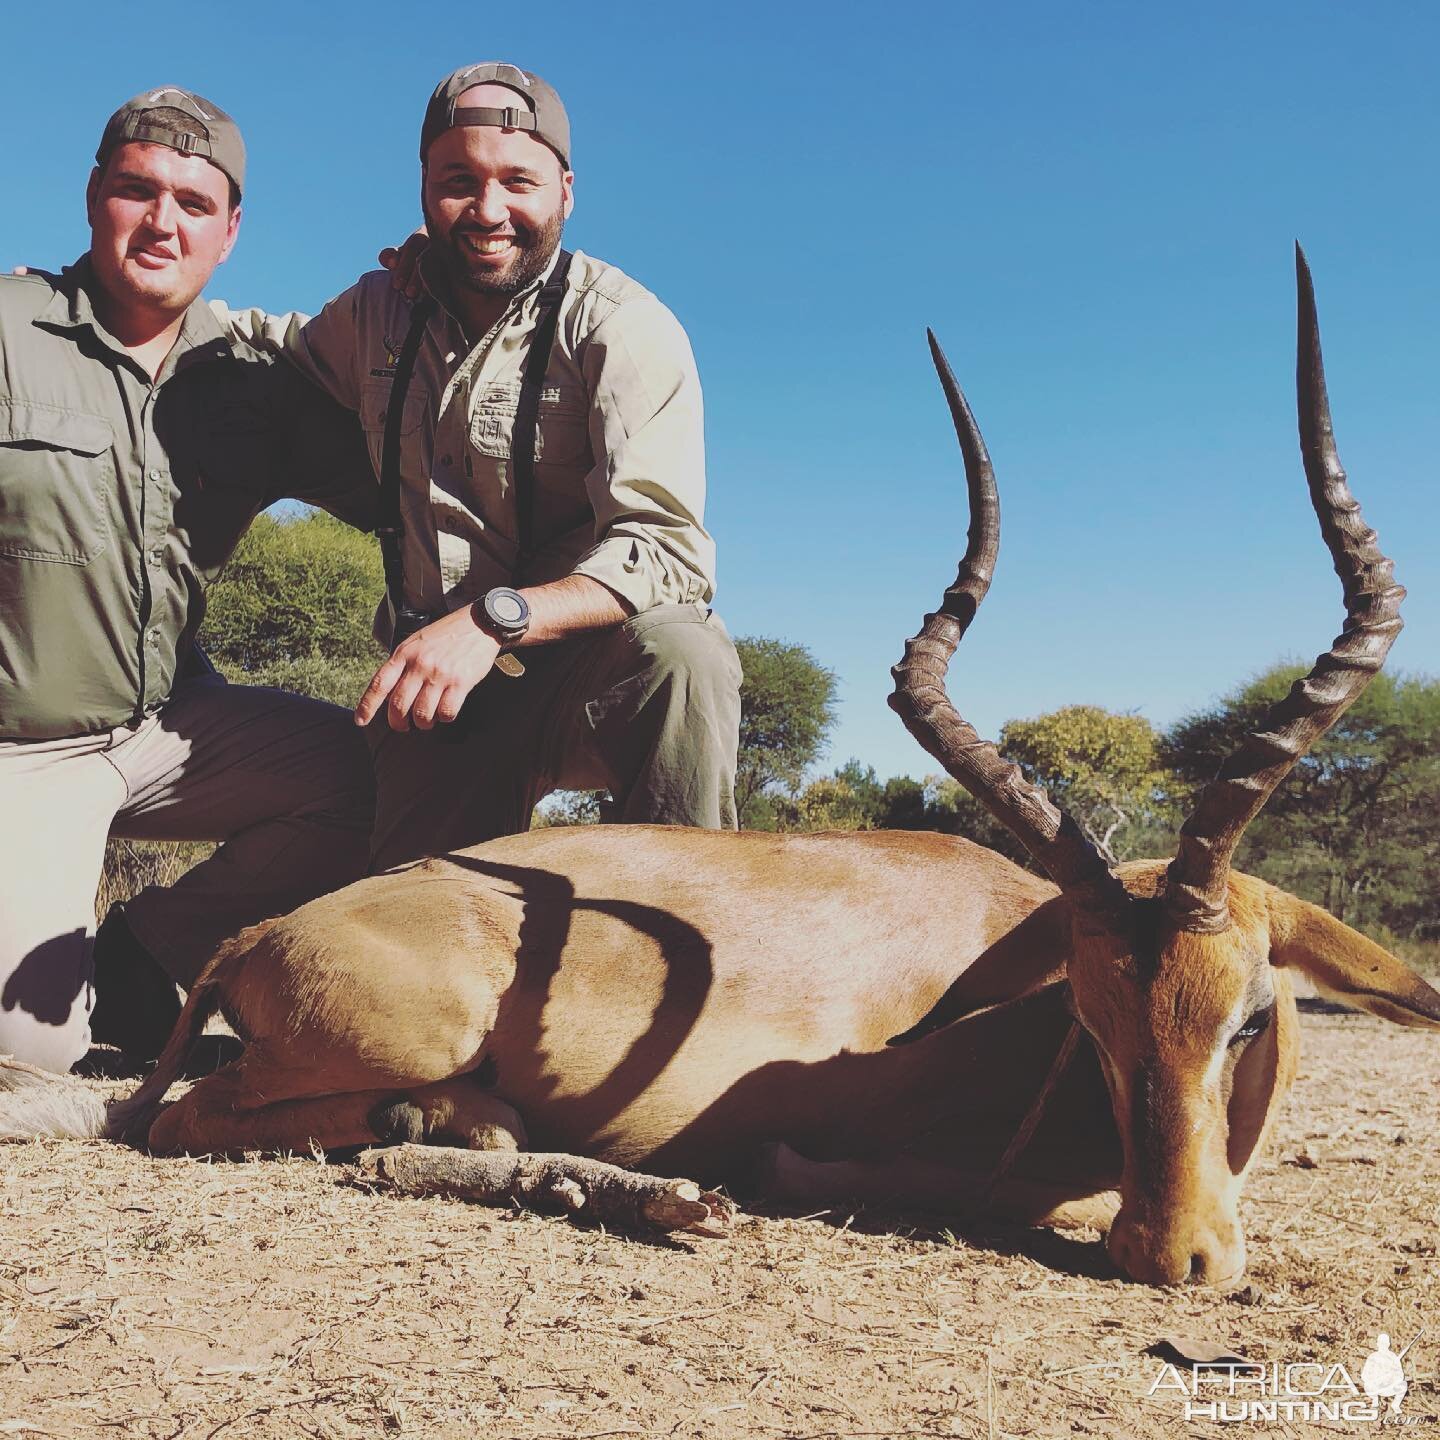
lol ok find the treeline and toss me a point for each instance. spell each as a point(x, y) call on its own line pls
point(1356, 826)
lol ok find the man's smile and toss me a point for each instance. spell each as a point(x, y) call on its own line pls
point(487, 245)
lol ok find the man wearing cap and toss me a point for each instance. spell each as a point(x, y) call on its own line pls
point(137, 442)
point(546, 554)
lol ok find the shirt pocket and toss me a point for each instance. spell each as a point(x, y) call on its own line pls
point(375, 413)
point(562, 438)
point(56, 478)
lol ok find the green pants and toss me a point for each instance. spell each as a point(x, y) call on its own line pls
point(649, 710)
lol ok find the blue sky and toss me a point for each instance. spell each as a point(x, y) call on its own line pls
point(1093, 204)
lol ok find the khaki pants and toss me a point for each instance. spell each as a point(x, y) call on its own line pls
point(284, 781)
point(649, 710)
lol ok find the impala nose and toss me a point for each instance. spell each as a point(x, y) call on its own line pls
point(1193, 1253)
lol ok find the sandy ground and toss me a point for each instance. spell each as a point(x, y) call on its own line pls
point(188, 1299)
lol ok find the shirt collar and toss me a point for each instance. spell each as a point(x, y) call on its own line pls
point(435, 280)
point(71, 308)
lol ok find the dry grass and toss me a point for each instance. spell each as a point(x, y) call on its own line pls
point(131, 865)
point(189, 1300)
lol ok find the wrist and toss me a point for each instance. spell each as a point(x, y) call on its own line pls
point(503, 614)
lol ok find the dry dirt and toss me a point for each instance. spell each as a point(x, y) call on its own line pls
point(176, 1298)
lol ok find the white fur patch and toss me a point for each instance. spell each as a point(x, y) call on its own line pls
point(35, 1103)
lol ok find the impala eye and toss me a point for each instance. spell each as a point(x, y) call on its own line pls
point(1257, 1024)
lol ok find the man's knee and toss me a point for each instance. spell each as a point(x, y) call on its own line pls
point(50, 1045)
point(45, 998)
point(669, 731)
point(690, 654)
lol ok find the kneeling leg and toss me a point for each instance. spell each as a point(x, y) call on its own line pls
point(453, 1112)
point(227, 1113)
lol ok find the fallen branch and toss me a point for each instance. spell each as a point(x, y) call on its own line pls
point(567, 1183)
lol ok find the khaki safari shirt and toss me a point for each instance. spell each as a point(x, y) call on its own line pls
point(619, 460)
point(120, 500)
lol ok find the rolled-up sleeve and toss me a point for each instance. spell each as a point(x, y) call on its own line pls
point(648, 492)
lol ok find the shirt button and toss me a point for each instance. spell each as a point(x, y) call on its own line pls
point(154, 475)
point(157, 556)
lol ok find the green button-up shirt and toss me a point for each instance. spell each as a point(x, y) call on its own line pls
point(620, 452)
point(122, 498)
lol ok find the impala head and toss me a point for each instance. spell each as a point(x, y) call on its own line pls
point(1178, 972)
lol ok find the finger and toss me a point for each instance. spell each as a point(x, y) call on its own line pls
point(451, 703)
point(389, 257)
point(422, 712)
point(376, 691)
point(402, 697)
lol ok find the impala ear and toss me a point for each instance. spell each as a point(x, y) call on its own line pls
point(1343, 963)
point(1023, 960)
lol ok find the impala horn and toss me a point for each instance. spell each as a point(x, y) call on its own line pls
point(1196, 888)
point(1052, 837)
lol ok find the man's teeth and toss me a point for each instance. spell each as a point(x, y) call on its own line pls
point(489, 246)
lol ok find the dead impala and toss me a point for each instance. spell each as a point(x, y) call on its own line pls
point(684, 999)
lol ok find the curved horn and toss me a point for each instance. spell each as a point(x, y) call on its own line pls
point(1196, 889)
point(1051, 836)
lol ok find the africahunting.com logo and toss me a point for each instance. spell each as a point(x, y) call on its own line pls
point(1235, 1391)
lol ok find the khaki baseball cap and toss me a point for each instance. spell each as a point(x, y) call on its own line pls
point(543, 115)
point(220, 143)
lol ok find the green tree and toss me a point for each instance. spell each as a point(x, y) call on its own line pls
point(294, 608)
point(1103, 769)
point(787, 708)
point(1355, 826)
point(855, 798)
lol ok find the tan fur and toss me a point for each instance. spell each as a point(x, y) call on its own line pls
point(682, 999)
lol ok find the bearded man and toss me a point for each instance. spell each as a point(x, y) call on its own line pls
point(536, 418)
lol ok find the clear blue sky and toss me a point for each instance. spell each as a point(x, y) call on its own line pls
point(1093, 204)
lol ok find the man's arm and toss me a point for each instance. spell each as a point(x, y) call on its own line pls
point(321, 347)
point(647, 428)
point(428, 677)
point(320, 454)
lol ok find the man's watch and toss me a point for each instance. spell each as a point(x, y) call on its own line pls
point(504, 615)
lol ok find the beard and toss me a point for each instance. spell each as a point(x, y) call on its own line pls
point(531, 250)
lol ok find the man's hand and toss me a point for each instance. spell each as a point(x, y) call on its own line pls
point(428, 677)
point(404, 263)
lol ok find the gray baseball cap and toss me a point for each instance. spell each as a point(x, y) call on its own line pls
point(220, 143)
point(543, 114)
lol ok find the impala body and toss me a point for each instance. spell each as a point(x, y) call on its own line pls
point(885, 1007)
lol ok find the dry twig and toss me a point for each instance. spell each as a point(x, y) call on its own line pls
point(568, 1183)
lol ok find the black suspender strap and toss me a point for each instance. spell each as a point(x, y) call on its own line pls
point(391, 528)
point(527, 411)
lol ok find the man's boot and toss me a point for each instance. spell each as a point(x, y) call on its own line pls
point(136, 1004)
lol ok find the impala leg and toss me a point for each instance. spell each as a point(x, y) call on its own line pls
point(454, 1112)
point(787, 1176)
point(229, 1113)
point(908, 1181)
point(225, 1115)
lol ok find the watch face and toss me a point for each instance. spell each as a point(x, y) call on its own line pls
point(507, 611)
point(507, 607)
